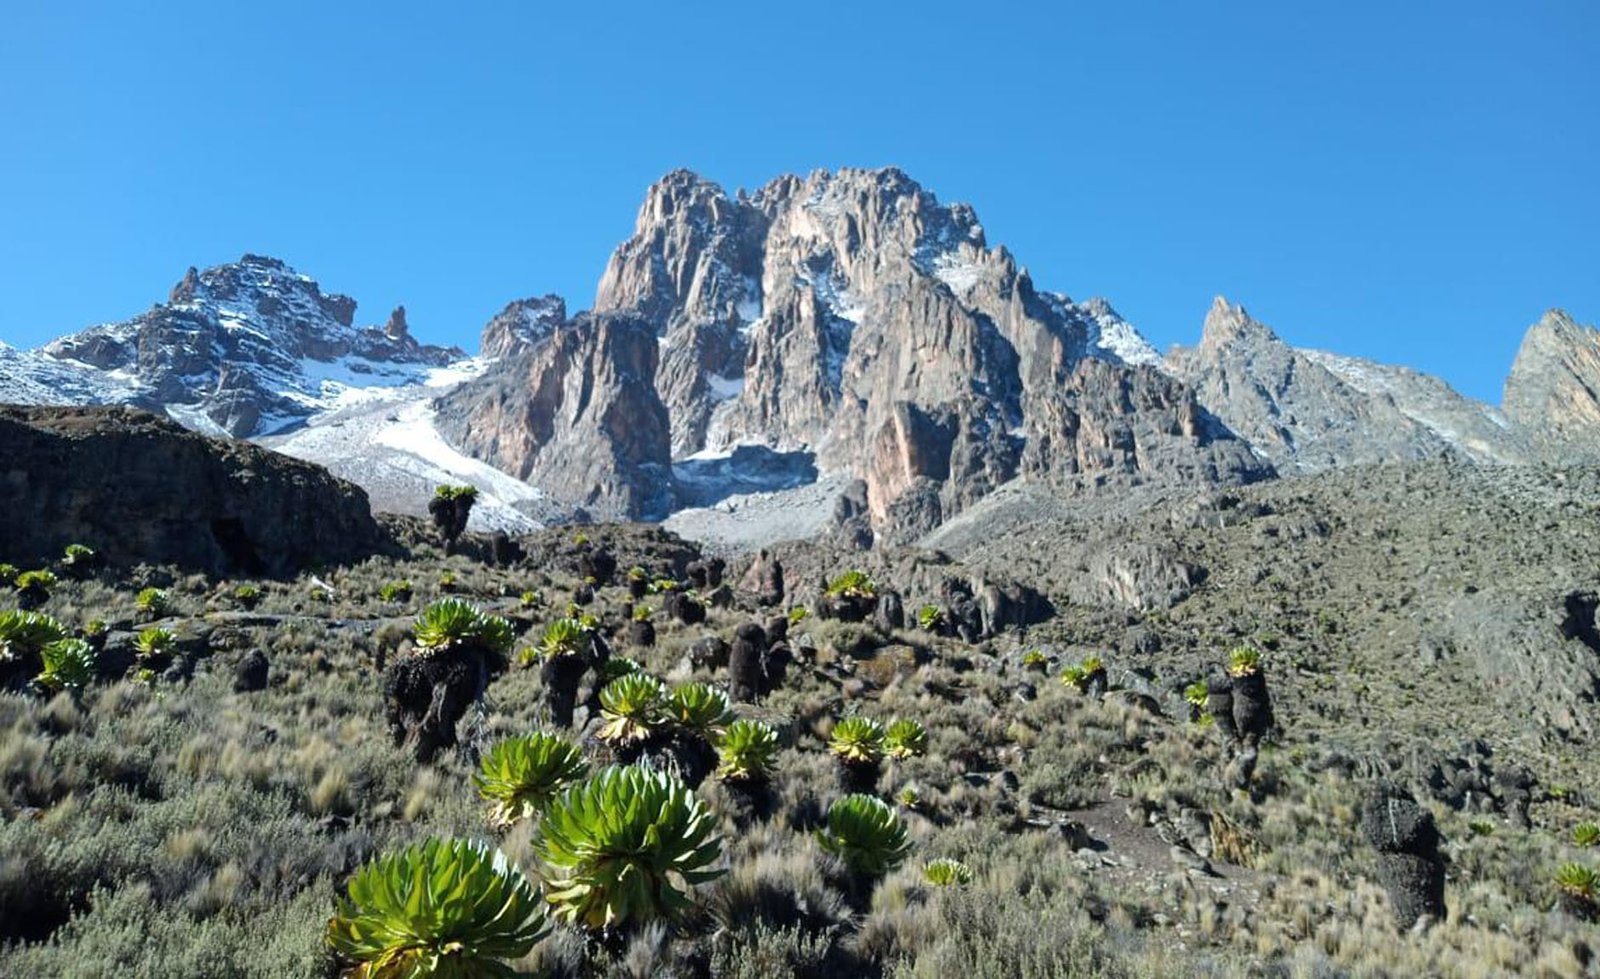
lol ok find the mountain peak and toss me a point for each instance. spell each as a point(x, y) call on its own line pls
point(522, 324)
point(1228, 324)
point(1553, 383)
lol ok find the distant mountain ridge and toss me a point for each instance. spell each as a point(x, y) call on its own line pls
point(241, 349)
point(847, 320)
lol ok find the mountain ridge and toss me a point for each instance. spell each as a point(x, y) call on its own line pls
point(849, 317)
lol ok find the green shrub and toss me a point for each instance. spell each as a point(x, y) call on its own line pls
point(798, 615)
point(946, 872)
point(1197, 693)
point(904, 738)
point(396, 591)
point(642, 613)
point(247, 595)
point(78, 555)
point(8, 573)
point(456, 492)
point(857, 739)
point(1244, 661)
point(867, 834)
point(39, 582)
point(154, 603)
point(451, 623)
point(563, 637)
point(615, 666)
point(440, 908)
point(155, 641)
point(930, 618)
point(22, 633)
point(624, 846)
point(1586, 834)
point(1578, 881)
point(699, 707)
point(747, 751)
point(632, 708)
point(520, 775)
point(853, 584)
point(532, 598)
point(68, 665)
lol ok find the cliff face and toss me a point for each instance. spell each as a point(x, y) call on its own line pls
point(853, 315)
point(1553, 392)
point(142, 488)
point(576, 415)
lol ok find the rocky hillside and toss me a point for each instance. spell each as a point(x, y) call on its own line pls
point(573, 412)
point(240, 349)
point(145, 489)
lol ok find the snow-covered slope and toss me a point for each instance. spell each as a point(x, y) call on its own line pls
point(384, 439)
point(240, 349)
point(28, 377)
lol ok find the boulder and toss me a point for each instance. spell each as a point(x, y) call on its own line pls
point(746, 672)
point(764, 579)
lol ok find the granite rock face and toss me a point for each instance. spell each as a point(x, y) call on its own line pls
point(139, 488)
point(853, 315)
point(522, 325)
point(1553, 391)
point(575, 414)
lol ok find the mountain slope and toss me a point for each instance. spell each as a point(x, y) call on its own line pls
point(1310, 412)
point(241, 349)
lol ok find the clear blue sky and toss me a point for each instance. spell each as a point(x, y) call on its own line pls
point(1413, 182)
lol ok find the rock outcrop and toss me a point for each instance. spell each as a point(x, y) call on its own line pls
point(522, 325)
point(1553, 392)
point(575, 414)
point(138, 488)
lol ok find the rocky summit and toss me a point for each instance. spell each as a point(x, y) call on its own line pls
point(240, 349)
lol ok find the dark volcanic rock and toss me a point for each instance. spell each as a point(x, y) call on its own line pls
point(139, 488)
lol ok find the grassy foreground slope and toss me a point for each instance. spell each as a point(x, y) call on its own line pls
point(1418, 624)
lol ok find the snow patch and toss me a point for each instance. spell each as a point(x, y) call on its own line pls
point(959, 274)
point(724, 388)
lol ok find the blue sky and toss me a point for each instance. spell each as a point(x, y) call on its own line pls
point(1412, 182)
